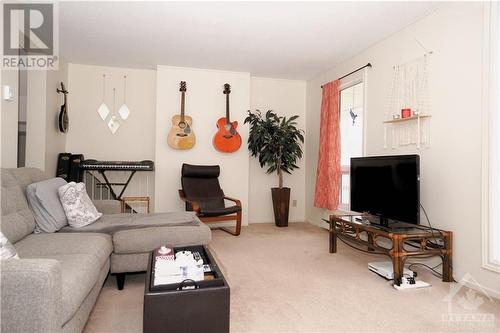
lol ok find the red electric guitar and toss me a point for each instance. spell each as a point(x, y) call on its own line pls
point(227, 139)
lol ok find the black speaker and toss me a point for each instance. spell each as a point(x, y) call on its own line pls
point(75, 174)
point(63, 166)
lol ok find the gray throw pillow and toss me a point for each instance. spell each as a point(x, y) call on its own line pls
point(7, 250)
point(43, 198)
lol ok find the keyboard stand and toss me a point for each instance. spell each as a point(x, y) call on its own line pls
point(109, 184)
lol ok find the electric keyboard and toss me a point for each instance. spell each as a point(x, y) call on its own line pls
point(103, 166)
point(146, 165)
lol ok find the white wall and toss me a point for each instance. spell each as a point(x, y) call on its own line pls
point(287, 98)
point(55, 141)
point(143, 135)
point(451, 167)
point(36, 113)
point(205, 102)
point(9, 119)
point(89, 135)
point(43, 140)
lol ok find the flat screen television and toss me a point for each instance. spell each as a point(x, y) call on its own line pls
point(387, 186)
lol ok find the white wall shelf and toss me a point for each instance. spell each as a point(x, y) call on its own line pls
point(406, 119)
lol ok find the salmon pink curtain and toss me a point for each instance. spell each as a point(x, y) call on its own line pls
point(327, 193)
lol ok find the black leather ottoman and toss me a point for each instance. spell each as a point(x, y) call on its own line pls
point(181, 309)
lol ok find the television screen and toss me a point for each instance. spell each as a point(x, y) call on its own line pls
point(388, 186)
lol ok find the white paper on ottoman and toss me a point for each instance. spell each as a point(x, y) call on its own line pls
point(77, 205)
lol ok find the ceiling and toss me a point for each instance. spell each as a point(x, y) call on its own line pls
point(294, 40)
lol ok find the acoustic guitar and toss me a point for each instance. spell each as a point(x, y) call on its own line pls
point(227, 139)
point(63, 113)
point(181, 135)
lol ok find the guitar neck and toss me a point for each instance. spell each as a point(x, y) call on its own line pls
point(182, 106)
point(227, 109)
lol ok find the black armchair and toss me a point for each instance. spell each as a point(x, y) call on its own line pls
point(202, 193)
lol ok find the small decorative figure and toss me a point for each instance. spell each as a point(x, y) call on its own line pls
point(353, 116)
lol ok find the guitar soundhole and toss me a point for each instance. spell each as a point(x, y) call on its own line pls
point(182, 124)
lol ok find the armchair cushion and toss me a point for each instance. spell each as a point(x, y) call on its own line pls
point(202, 193)
point(200, 171)
point(208, 202)
point(201, 184)
point(219, 211)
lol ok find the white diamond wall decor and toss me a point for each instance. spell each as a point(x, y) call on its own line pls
point(124, 112)
point(113, 125)
point(103, 111)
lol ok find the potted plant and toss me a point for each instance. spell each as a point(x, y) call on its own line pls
point(276, 142)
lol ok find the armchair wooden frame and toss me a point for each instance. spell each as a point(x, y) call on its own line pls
point(222, 218)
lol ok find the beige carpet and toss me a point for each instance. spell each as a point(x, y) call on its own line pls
point(284, 280)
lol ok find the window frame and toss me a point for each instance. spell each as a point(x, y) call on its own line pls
point(491, 103)
point(345, 169)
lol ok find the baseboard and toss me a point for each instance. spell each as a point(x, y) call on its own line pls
point(225, 224)
point(318, 223)
point(272, 222)
point(229, 224)
point(481, 289)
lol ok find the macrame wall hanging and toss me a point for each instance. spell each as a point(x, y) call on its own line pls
point(407, 118)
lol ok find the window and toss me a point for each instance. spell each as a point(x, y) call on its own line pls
point(491, 139)
point(351, 133)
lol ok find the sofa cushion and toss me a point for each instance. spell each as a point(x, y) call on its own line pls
point(17, 219)
point(43, 198)
point(147, 239)
point(116, 222)
point(108, 206)
point(129, 262)
point(80, 273)
point(36, 245)
point(139, 233)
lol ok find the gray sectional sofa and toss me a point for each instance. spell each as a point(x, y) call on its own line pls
point(56, 281)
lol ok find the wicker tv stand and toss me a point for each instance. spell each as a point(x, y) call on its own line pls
point(406, 241)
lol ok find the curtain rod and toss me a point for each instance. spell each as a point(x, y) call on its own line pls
point(354, 71)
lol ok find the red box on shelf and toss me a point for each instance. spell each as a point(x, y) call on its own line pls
point(406, 113)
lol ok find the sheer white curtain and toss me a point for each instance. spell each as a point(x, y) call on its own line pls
point(491, 139)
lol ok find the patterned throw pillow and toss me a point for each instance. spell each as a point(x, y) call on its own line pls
point(77, 205)
point(7, 250)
